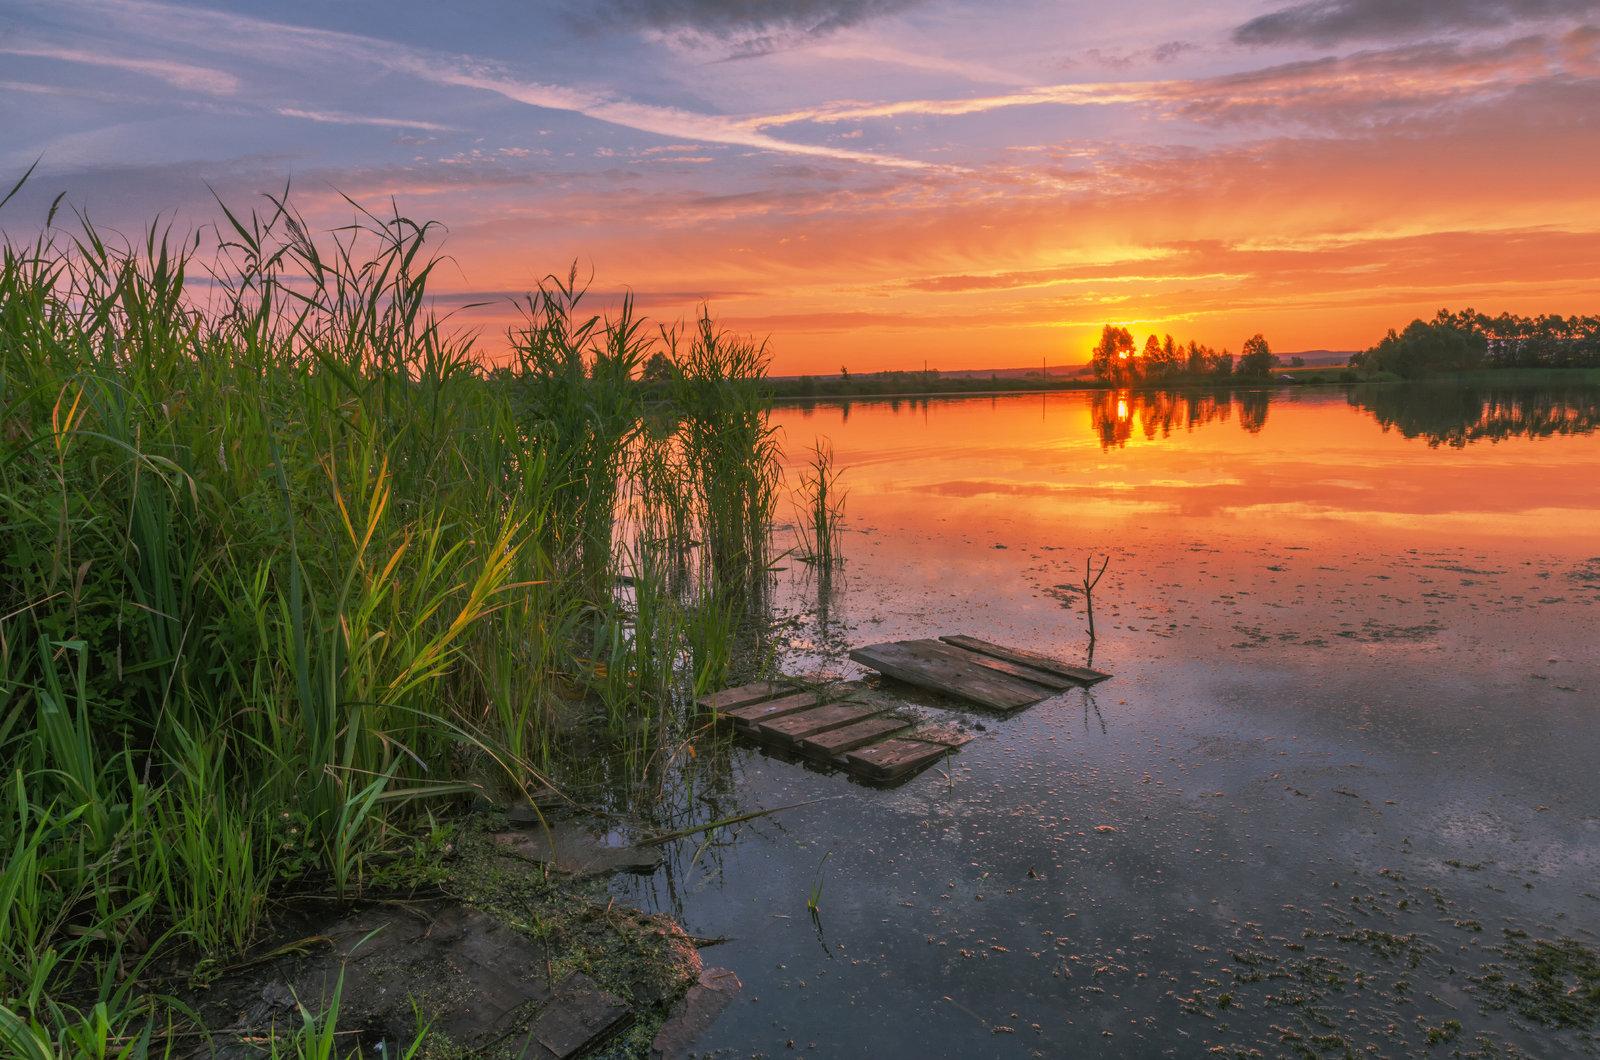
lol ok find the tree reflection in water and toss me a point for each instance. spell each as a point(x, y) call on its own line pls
point(1157, 413)
point(1440, 413)
point(1456, 415)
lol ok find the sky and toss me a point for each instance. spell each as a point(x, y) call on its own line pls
point(876, 184)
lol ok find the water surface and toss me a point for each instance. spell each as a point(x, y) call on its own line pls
point(1350, 742)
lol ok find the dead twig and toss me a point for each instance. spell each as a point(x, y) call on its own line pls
point(1091, 578)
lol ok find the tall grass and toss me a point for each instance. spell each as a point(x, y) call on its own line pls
point(282, 565)
point(819, 508)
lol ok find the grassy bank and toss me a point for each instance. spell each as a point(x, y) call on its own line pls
point(287, 572)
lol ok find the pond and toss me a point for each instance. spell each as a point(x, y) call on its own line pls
point(1346, 759)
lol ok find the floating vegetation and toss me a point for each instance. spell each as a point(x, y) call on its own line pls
point(1553, 983)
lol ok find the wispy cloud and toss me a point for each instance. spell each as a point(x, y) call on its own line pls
point(643, 117)
point(1418, 74)
point(1070, 95)
point(41, 89)
point(809, 16)
point(293, 46)
point(742, 28)
point(339, 117)
point(186, 76)
point(1324, 22)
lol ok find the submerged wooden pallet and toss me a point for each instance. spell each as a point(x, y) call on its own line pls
point(990, 675)
point(836, 725)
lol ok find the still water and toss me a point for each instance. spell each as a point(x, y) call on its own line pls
point(1351, 742)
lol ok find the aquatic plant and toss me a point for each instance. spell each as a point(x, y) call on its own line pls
point(820, 508)
point(283, 565)
point(814, 899)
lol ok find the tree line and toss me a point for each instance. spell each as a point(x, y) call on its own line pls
point(1467, 340)
point(1118, 359)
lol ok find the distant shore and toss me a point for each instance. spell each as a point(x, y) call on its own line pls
point(783, 391)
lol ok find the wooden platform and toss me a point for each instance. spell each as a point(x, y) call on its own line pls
point(978, 671)
point(839, 725)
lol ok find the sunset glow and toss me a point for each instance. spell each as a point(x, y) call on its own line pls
point(875, 183)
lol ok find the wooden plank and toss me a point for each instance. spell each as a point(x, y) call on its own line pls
point(579, 1017)
point(1027, 673)
point(742, 696)
point(1081, 674)
point(747, 717)
point(791, 727)
point(946, 668)
point(837, 741)
point(894, 758)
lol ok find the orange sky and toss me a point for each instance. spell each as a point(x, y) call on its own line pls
point(875, 183)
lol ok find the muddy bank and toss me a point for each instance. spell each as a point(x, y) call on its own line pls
point(509, 945)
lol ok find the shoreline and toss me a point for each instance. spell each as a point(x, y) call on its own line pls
point(1488, 377)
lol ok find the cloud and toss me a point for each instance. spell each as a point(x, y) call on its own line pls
point(1353, 89)
point(807, 17)
point(644, 117)
point(1122, 59)
point(39, 89)
point(511, 296)
point(186, 76)
point(337, 117)
point(741, 29)
point(1325, 22)
point(296, 47)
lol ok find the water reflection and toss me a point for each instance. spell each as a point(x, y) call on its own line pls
point(1449, 414)
point(1457, 416)
point(1117, 415)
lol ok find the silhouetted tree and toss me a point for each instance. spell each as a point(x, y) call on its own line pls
point(1111, 355)
point(658, 370)
point(1456, 340)
point(1255, 359)
point(1444, 345)
point(1171, 359)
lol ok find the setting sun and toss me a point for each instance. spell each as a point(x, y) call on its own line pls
point(874, 184)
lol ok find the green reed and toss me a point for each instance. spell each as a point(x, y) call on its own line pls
point(283, 566)
point(820, 509)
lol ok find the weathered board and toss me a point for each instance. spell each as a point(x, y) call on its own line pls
point(791, 727)
point(828, 723)
point(580, 1017)
point(742, 696)
point(954, 671)
point(833, 742)
point(862, 730)
point(1037, 677)
point(748, 717)
point(1082, 675)
point(895, 758)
